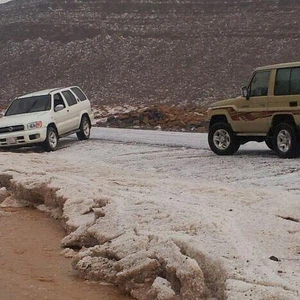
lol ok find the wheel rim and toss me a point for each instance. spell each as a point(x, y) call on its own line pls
point(86, 128)
point(284, 141)
point(221, 139)
point(52, 139)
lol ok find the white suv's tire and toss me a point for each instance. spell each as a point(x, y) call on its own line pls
point(84, 129)
point(286, 141)
point(221, 139)
point(51, 142)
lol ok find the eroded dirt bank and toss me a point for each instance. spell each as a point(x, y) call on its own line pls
point(31, 264)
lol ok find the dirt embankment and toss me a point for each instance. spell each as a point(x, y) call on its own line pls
point(162, 117)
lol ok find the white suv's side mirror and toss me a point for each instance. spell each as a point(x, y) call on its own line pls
point(58, 107)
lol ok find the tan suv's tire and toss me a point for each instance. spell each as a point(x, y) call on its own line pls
point(286, 141)
point(269, 143)
point(221, 139)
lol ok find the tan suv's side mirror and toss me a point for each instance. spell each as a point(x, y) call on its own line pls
point(245, 93)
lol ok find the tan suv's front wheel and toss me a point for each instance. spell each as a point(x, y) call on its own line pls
point(221, 139)
point(286, 141)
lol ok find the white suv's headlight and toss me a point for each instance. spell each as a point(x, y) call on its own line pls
point(34, 125)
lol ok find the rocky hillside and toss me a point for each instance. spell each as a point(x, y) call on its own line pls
point(159, 117)
point(143, 51)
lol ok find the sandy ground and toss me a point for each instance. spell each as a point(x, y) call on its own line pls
point(31, 264)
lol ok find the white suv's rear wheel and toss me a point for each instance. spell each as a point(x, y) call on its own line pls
point(222, 140)
point(84, 129)
point(286, 141)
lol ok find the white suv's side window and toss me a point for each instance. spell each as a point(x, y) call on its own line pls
point(58, 100)
point(79, 93)
point(70, 98)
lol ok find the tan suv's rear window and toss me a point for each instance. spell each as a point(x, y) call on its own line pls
point(287, 82)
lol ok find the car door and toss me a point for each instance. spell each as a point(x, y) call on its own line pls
point(74, 109)
point(61, 117)
point(253, 112)
point(286, 97)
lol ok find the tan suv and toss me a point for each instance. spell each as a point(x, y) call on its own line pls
point(268, 111)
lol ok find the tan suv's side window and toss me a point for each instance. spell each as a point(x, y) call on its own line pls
point(260, 84)
point(287, 82)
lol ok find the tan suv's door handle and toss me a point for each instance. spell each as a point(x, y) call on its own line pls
point(293, 104)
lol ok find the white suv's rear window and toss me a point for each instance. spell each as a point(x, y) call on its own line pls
point(69, 97)
point(79, 93)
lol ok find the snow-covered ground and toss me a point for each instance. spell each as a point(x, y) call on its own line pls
point(160, 215)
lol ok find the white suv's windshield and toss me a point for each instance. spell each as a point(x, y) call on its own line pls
point(29, 105)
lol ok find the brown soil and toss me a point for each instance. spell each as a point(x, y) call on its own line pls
point(31, 264)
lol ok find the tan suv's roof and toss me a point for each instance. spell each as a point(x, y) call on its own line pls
point(279, 66)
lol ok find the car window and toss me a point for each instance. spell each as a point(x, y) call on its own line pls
point(69, 97)
point(29, 105)
point(287, 82)
point(259, 84)
point(79, 93)
point(58, 100)
point(295, 81)
point(282, 83)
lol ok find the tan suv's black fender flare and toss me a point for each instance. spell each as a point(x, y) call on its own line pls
point(220, 118)
point(279, 119)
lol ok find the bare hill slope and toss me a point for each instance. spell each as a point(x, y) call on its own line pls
point(143, 51)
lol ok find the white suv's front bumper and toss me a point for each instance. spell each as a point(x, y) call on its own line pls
point(24, 137)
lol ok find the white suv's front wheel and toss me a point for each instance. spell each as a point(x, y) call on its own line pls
point(51, 142)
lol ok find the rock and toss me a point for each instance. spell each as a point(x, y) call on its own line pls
point(3, 194)
point(68, 253)
point(274, 258)
point(3, 214)
point(11, 202)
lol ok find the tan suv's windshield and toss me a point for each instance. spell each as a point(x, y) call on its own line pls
point(259, 84)
point(29, 105)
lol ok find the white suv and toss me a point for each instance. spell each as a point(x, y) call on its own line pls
point(43, 117)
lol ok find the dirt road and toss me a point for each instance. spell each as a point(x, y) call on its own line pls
point(31, 264)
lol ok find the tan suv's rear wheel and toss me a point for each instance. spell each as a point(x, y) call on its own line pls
point(222, 140)
point(286, 141)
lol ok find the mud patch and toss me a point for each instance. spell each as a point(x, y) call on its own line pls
point(33, 267)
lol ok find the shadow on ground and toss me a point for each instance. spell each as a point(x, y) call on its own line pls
point(63, 143)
